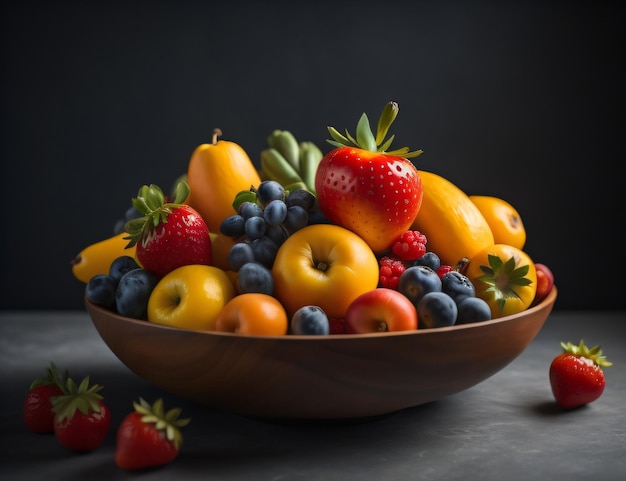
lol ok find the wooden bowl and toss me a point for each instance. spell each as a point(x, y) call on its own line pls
point(319, 378)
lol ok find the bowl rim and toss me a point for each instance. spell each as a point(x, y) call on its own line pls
point(546, 302)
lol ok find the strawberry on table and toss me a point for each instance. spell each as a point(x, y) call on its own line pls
point(169, 234)
point(364, 187)
point(37, 407)
point(149, 436)
point(82, 418)
point(576, 375)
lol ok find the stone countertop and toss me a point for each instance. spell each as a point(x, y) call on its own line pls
point(507, 427)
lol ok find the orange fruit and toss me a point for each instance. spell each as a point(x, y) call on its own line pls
point(253, 314)
point(503, 219)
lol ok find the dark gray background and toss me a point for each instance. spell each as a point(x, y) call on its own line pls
point(517, 99)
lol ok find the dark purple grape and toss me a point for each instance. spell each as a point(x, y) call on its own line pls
point(457, 285)
point(121, 266)
point(436, 309)
point(472, 309)
point(233, 226)
point(255, 277)
point(269, 190)
point(278, 233)
point(417, 281)
point(310, 320)
point(264, 250)
point(429, 259)
point(133, 292)
point(255, 227)
point(296, 219)
point(250, 209)
point(239, 254)
point(101, 291)
point(302, 198)
point(275, 212)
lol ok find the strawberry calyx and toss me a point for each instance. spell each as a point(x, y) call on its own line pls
point(503, 278)
point(581, 350)
point(81, 397)
point(152, 203)
point(169, 422)
point(365, 138)
point(53, 377)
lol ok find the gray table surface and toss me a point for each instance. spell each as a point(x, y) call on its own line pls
point(507, 428)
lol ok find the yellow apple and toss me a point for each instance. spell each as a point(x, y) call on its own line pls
point(190, 297)
point(323, 265)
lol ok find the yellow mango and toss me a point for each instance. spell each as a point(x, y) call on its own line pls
point(97, 258)
point(453, 225)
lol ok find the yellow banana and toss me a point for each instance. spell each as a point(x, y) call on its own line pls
point(451, 222)
point(310, 157)
point(287, 145)
point(276, 167)
point(97, 258)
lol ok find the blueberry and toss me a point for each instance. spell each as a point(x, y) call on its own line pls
point(472, 309)
point(278, 233)
point(233, 226)
point(121, 266)
point(264, 250)
point(101, 291)
point(436, 309)
point(250, 209)
point(429, 259)
point(255, 227)
point(417, 281)
point(133, 292)
point(296, 218)
point(457, 285)
point(302, 198)
point(269, 190)
point(310, 320)
point(255, 277)
point(275, 212)
point(239, 254)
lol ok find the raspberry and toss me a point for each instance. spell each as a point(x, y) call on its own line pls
point(391, 268)
point(443, 269)
point(410, 246)
point(337, 325)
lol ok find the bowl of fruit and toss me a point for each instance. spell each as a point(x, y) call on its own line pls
point(344, 285)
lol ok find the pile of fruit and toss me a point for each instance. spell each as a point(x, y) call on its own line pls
point(354, 241)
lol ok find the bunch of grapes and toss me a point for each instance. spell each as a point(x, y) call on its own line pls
point(260, 227)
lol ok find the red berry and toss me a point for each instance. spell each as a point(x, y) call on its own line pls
point(391, 269)
point(443, 270)
point(337, 325)
point(37, 407)
point(410, 246)
point(576, 375)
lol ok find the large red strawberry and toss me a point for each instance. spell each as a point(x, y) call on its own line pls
point(37, 407)
point(367, 189)
point(82, 418)
point(169, 234)
point(576, 375)
point(149, 436)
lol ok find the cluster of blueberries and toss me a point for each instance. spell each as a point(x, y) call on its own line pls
point(260, 228)
point(442, 301)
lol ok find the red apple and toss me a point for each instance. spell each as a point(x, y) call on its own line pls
point(381, 310)
point(545, 282)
